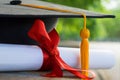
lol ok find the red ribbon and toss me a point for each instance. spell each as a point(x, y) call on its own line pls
point(48, 42)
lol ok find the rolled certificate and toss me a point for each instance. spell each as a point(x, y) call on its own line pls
point(25, 57)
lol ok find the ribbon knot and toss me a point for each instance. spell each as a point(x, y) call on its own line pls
point(48, 42)
point(53, 52)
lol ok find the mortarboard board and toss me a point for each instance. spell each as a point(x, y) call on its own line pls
point(16, 20)
point(8, 10)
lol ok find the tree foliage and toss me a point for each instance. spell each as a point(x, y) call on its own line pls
point(76, 3)
point(69, 28)
point(111, 26)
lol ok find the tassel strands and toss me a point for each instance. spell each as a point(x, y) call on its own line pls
point(84, 50)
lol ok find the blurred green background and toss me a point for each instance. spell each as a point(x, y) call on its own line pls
point(101, 29)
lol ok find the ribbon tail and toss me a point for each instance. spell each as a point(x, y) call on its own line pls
point(39, 33)
point(56, 69)
point(72, 70)
point(54, 38)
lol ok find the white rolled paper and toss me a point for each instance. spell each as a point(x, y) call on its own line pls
point(25, 57)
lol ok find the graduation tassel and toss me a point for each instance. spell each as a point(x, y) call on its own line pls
point(84, 48)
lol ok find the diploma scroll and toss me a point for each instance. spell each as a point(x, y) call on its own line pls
point(25, 57)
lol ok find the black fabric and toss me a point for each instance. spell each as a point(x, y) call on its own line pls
point(14, 30)
point(15, 2)
point(56, 16)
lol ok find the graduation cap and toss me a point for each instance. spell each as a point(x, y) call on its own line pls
point(16, 20)
point(17, 17)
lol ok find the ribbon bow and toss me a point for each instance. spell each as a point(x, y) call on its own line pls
point(48, 42)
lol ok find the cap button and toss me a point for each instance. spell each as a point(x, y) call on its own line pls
point(15, 2)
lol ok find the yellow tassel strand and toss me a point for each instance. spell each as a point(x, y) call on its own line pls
point(84, 50)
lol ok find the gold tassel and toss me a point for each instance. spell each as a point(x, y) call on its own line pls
point(84, 49)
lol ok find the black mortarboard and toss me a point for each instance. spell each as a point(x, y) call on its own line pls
point(16, 20)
